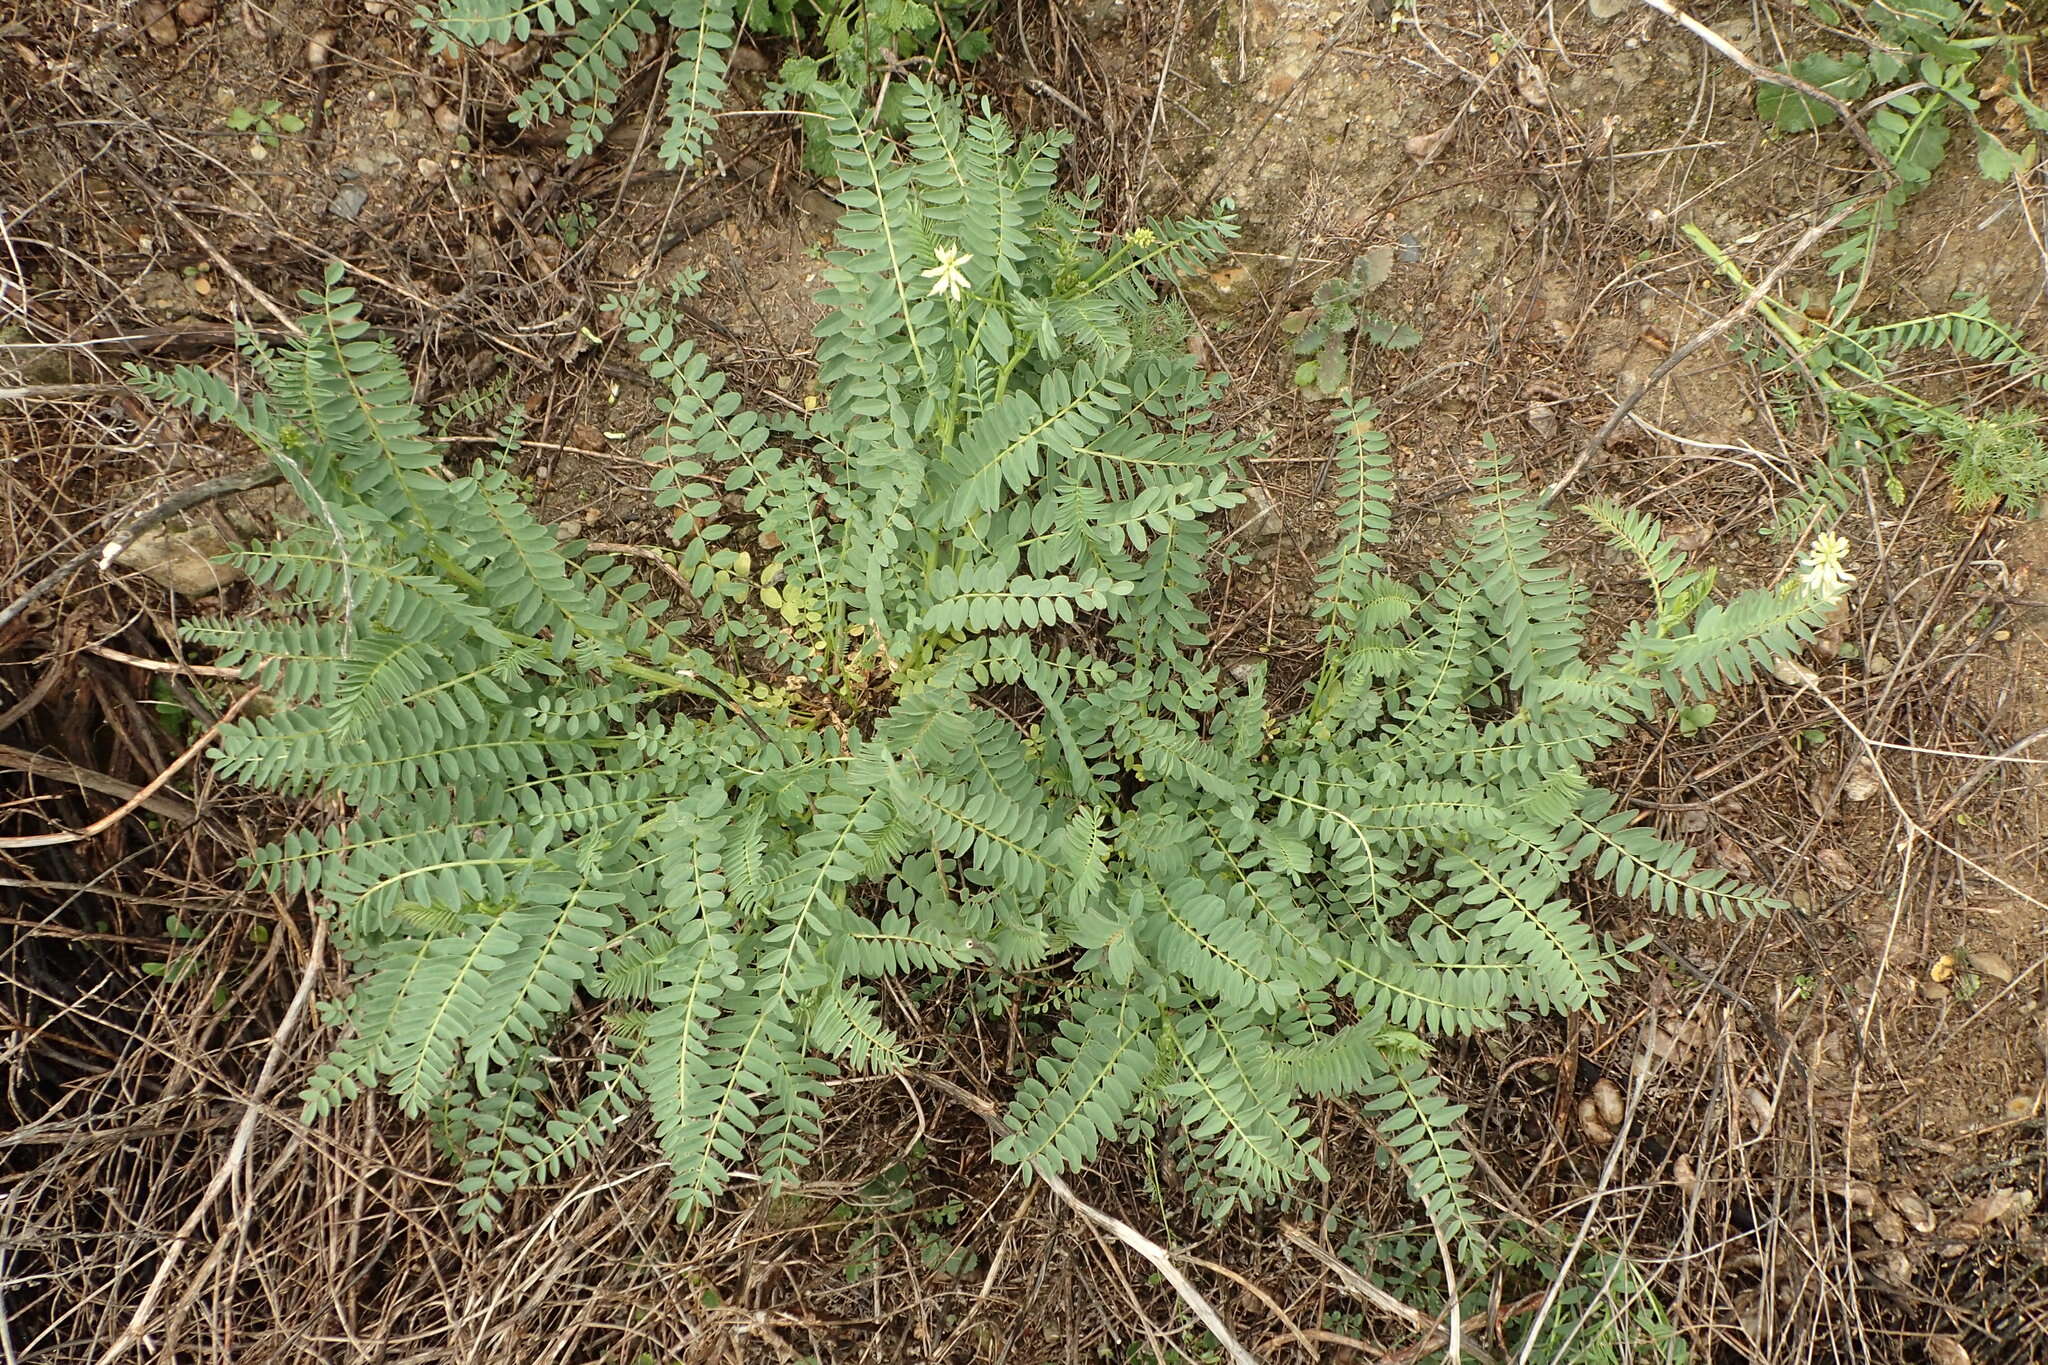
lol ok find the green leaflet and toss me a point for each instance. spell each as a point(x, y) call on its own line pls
point(581, 80)
point(952, 711)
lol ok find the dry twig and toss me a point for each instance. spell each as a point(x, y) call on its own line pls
point(1758, 72)
point(238, 1152)
point(1157, 1256)
point(143, 518)
point(1679, 354)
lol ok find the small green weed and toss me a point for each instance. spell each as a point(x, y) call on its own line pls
point(268, 121)
point(575, 224)
point(889, 1206)
point(169, 712)
point(180, 964)
point(1928, 55)
point(1604, 1311)
point(1325, 332)
point(1693, 719)
point(1847, 362)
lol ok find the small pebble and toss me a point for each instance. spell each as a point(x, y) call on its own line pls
point(348, 202)
point(158, 23)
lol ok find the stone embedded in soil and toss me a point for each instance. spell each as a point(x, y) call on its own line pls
point(1992, 965)
point(181, 558)
point(1262, 519)
point(193, 12)
point(157, 22)
point(1946, 1350)
point(348, 202)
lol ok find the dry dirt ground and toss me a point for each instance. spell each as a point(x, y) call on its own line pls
point(1834, 1137)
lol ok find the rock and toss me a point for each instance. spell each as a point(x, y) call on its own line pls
point(517, 58)
point(1793, 673)
point(181, 558)
point(1946, 1350)
point(1102, 19)
point(157, 22)
point(1262, 520)
point(1914, 1210)
point(1424, 146)
point(348, 202)
point(1992, 965)
point(1603, 10)
point(1838, 868)
point(1607, 1102)
point(27, 363)
point(1589, 1123)
point(1862, 780)
point(194, 12)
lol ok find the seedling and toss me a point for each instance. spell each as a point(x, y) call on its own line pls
point(1324, 331)
point(268, 121)
point(574, 225)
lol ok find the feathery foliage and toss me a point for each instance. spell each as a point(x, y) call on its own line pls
point(582, 79)
point(937, 699)
point(1847, 364)
point(1928, 57)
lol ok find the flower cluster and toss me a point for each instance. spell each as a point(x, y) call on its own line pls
point(1821, 568)
point(947, 277)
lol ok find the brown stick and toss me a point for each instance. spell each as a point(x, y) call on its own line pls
point(52, 393)
point(1757, 72)
point(141, 519)
point(1156, 1255)
point(1680, 354)
point(142, 796)
point(120, 656)
point(171, 807)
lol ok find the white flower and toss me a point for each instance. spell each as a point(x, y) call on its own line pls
point(1821, 569)
point(947, 277)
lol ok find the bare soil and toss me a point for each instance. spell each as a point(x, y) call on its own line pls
point(1835, 1140)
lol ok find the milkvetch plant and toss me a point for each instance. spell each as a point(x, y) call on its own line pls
point(853, 42)
point(936, 697)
